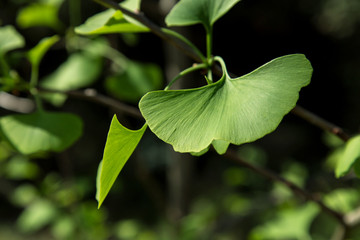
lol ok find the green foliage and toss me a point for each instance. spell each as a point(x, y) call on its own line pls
point(119, 146)
point(206, 12)
point(235, 111)
point(350, 156)
point(134, 81)
point(41, 131)
point(111, 21)
point(231, 110)
point(80, 70)
point(10, 39)
point(289, 224)
point(40, 14)
point(37, 53)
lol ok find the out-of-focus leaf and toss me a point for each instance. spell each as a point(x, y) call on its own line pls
point(37, 53)
point(20, 168)
point(350, 156)
point(10, 39)
point(289, 224)
point(39, 14)
point(80, 70)
point(120, 144)
point(24, 195)
point(134, 81)
point(41, 131)
point(342, 200)
point(64, 227)
point(112, 21)
point(39, 214)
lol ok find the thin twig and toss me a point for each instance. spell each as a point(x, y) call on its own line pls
point(93, 96)
point(320, 122)
point(231, 154)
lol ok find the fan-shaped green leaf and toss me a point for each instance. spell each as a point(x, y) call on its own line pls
point(349, 157)
point(120, 144)
point(41, 131)
point(188, 12)
point(10, 39)
point(236, 110)
point(112, 21)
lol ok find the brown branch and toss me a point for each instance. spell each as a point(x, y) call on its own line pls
point(93, 96)
point(320, 122)
point(230, 154)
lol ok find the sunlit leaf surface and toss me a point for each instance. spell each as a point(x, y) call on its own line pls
point(236, 110)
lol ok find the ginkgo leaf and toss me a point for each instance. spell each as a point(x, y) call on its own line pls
point(236, 110)
point(188, 12)
point(120, 144)
point(350, 155)
point(112, 21)
point(41, 131)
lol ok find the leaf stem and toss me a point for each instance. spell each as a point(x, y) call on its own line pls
point(209, 40)
point(185, 40)
point(186, 71)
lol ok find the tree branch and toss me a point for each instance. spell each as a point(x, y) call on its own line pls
point(93, 96)
point(320, 122)
point(230, 154)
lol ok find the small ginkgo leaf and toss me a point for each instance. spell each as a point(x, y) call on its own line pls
point(235, 111)
point(349, 157)
point(41, 131)
point(189, 12)
point(120, 144)
point(112, 21)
